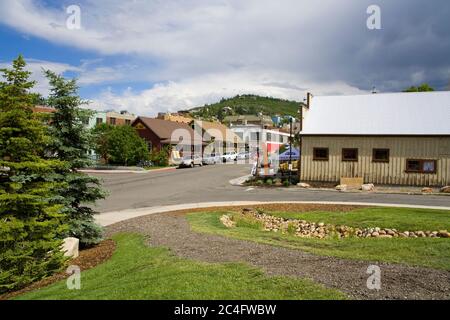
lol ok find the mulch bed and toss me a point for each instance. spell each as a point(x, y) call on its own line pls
point(87, 259)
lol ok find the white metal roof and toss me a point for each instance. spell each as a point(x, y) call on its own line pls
point(424, 113)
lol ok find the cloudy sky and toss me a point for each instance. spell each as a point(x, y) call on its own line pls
point(165, 55)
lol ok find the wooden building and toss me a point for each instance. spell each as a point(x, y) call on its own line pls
point(395, 139)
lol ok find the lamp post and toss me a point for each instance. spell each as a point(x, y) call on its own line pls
point(290, 149)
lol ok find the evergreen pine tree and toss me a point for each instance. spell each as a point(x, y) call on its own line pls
point(31, 223)
point(71, 144)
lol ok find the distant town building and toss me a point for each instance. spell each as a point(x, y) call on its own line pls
point(119, 118)
point(218, 137)
point(175, 117)
point(260, 120)
point(255, 137)
point(43, 109)
point(178, 137)
point(98, 118)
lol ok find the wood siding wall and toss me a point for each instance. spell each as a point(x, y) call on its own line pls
point(401, 149)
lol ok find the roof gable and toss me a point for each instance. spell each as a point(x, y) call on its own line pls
point(163, 128)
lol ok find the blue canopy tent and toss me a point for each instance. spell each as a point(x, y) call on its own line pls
point(286, 155)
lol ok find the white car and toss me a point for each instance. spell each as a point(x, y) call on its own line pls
point(191, 162)
point(229, 157)
point(243, 155)
point(211, 159)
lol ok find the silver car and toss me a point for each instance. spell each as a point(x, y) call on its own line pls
point(191, 162)
point(211, 159)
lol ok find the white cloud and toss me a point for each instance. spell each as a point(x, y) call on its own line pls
point(200, 50)
point(189, 93)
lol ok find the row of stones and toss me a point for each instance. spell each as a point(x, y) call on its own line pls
point(305, 229)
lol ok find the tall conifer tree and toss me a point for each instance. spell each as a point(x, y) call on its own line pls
point(31, 222)
point(71, 144)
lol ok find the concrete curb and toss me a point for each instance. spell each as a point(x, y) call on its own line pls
point(239, 181)
point(109, 218)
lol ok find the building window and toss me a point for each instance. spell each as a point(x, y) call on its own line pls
point(128, 122)
point(254, 136)
point(380, 155)
point(349, 154)
point(150, 146)
point(112, 121)
point(320, 154)
point(269, 136)
point(421, 166)
point(99, 121)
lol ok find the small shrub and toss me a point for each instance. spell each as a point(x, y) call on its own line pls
point(269, 182)
point(291, 229)
point(286, 183)
point(160, 158)
point(259, 182)
point(259, 211)
point(247, 222)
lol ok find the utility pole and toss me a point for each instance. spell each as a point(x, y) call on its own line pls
point(290, 150)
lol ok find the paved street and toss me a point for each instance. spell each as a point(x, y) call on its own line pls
point(211, 183)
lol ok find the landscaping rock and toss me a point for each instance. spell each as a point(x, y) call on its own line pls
point(341, 187)
point(427, 190)
point(304, 185)
point(227, 222)
point(445, 189)
point(70, 247)
point(444, 234)
point(368, 187)
point(305, 229)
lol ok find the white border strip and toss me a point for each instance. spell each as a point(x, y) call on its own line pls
point(109, 218)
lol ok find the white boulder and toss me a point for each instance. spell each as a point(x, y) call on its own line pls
point(368, 187)
point(304, 185)
point(70, 247)
point(445, 189)
point(341, 187)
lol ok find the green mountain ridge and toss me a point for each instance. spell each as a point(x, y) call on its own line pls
point(245, 105)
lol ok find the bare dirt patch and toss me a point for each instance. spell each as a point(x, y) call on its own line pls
point(87, 259)
point(172, 230)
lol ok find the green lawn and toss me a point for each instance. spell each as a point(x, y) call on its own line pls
point(426, 252)
point(137, 271)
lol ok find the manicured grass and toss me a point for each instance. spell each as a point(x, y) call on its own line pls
point(137, 271)
point(426, 252)
point(403, 219)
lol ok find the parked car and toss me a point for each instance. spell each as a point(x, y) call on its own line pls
point(211, 159)
point(229, 157)
point(243, 155)
point(191, 162)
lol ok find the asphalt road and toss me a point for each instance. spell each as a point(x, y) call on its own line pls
point(211, 184)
